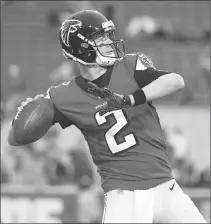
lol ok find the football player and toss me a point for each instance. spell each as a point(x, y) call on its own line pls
point(111, 103)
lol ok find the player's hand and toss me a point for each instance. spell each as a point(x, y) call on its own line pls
point(114, 101)
point(28, 100)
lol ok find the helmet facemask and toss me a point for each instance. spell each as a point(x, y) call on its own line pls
point(109, 28)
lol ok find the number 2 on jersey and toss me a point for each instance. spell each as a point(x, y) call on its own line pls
point(121, 122)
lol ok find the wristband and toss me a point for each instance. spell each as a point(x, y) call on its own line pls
point(139, 97)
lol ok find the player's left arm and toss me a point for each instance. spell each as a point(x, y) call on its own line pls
point(153, 83)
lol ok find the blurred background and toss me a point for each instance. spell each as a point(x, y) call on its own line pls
point(53, 179)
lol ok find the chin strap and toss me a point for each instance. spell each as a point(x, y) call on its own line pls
point(104, 61)
point(70, 56)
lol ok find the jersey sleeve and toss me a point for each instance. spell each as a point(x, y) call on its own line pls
point(145, 72)
point(57, 93)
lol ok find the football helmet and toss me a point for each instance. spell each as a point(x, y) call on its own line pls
point(78, 34)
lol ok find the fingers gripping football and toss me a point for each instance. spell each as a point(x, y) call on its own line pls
point(28, 100)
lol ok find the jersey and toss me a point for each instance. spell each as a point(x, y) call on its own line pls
point(127, 146)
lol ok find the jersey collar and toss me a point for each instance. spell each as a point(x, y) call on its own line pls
point(102, 81)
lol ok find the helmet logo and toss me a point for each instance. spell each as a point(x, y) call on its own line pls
point(69, 26)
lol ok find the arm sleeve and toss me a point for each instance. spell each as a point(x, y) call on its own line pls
point(145, 77)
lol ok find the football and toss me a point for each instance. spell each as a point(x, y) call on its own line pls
point(33, 121)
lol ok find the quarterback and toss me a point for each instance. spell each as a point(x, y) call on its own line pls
point(110, 102)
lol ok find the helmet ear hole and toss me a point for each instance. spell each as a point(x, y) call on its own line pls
point(87, 52)
point(88, 56)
